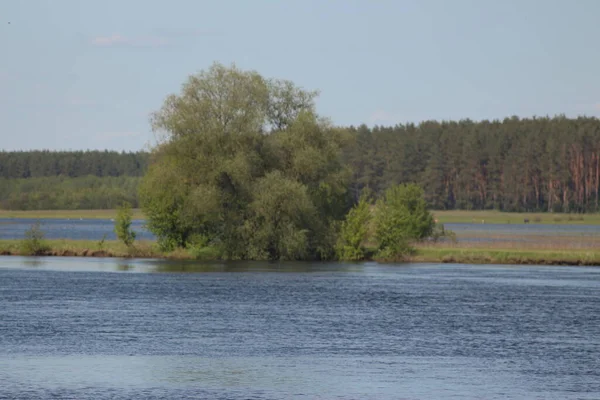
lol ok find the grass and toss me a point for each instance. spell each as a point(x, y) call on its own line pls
point(486, 217)
point(92, 248)
point(464, 253)
point(67, 214)
point(498, 217)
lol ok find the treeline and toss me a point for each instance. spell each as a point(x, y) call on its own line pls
point(63, 193)
point(536, 164)
point(36, 164)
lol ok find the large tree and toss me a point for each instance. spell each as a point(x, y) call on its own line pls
point(247, 165)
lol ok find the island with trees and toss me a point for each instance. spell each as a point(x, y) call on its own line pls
point(248, 170)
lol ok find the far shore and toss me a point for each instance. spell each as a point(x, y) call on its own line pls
point(66, 214)
point(452, 216)
point(425, 253)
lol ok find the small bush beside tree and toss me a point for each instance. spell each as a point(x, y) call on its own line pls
point(354, 232)
point(123, 224)
point(34, 243)
point(401, 218)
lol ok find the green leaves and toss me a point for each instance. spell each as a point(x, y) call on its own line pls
point(34, 243)
point(123, 225)
point(282, 214)
point(249, 166)
point(402, 217)
point(354, 232)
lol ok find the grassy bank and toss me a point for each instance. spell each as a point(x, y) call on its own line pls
point(465, 254)
point(485, 217)
point(66, 214)
point(92, 248)
point(435, 253)
point(497, 217)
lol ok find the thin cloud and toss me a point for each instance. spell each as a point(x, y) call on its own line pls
point(120, 40)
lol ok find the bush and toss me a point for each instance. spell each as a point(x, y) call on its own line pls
point(123, 225)
point(34, 244)
point(200, 248)
point(440, 232)
point(354, 231)
point(402, 218)
point(102, 242)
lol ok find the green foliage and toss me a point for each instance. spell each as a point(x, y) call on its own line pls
point(439, 233)
point(531, 164)
point(354, 232)
point(64, 193)
point(200, 248)
point(123, 225)
point(34, 243)
point(281, 215)
point(102, 242)
point(71, 164)
point(401, 218)
point(247, 165)
point(162, 194)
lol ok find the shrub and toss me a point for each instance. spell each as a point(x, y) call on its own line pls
point(34, 243)
point(102, 242)
point(353, 233)
point(200, 248)
point(440, 232)
point(123, 225)
point(402, 218)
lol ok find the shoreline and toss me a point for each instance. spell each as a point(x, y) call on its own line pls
point(445, 217)
point(440, 253)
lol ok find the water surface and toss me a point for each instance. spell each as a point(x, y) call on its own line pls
point(115, 329)
point(95, 229)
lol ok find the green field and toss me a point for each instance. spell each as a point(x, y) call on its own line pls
point(493, 255)
point(478, 217)
point(92, 248)
point(66, 214)
point(498, 217)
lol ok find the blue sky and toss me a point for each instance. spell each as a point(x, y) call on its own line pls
point(86, 74)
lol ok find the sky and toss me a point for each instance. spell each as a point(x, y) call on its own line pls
point(78, 75)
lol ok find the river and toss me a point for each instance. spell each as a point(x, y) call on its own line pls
point(85, 328)
point(96, 229)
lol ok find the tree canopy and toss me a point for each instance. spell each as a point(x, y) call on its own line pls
point(516, 164)
point(247, 165)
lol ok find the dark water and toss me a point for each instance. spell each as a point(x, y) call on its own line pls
point(95, 229)
point(109, 329)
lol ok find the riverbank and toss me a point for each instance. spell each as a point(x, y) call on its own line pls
point(432, 253)
point(447, 217)
point(499, 217)
point(440, 254)
point(66, 214)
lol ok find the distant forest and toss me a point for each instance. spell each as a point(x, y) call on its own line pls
point(44, 180)
point(534, 164)
point(37, 164)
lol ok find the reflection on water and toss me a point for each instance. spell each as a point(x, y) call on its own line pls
point(91, 264)
point(87, 328)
